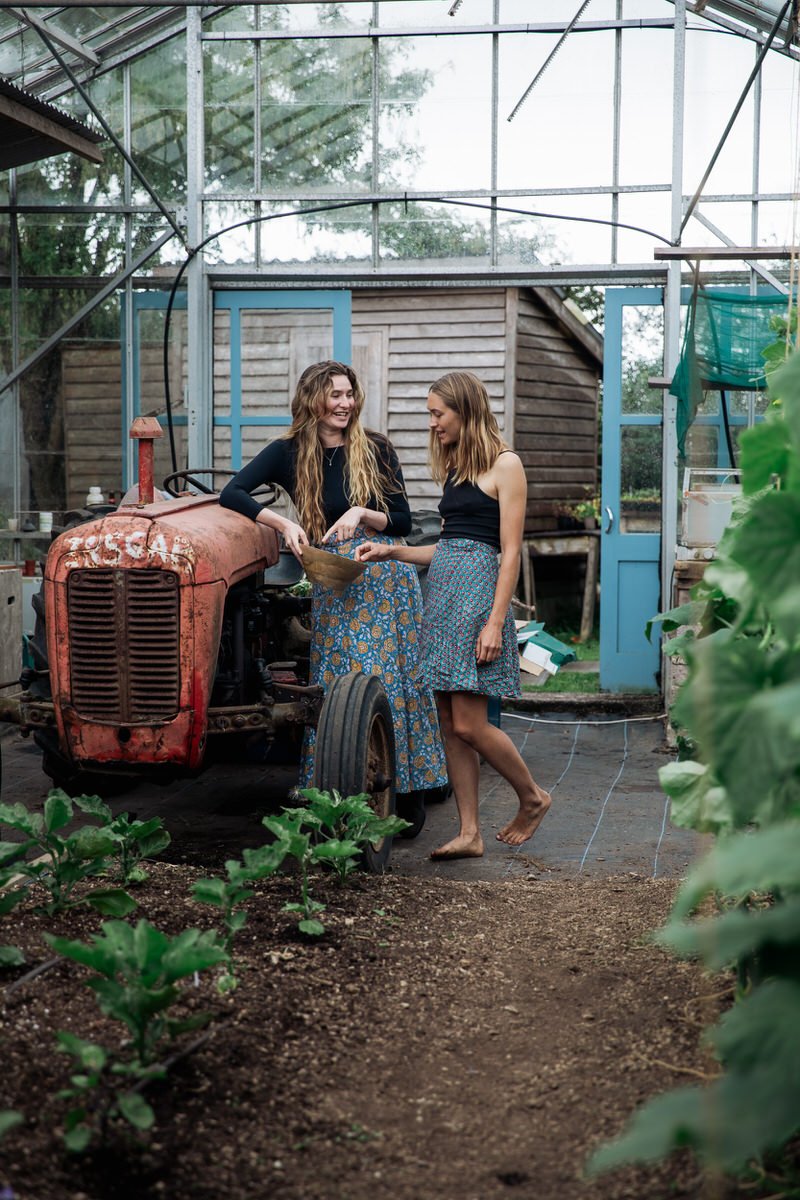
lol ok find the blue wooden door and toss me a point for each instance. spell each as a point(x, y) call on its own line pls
point(631, 498)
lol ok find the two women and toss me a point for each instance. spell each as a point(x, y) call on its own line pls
point(347, 486)
point(469, 644)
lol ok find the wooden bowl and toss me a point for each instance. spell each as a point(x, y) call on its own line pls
point(330, 570)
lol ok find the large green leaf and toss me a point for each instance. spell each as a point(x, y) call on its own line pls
point(698, 802)
point(763, 453)
point(766, 860)
point(768, 547)
point(95, 806)
point(748, 731)
point(11, 956)
point(737, 934)
point(57, 810)
point(18, 817)
point(192, 951)
point(136, 1110)
point(111, 902)
point(90, 842)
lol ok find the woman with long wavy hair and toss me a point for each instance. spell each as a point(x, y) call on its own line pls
point(469, 642)
point(347, 486)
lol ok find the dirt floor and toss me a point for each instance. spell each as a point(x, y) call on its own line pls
point(442, 1039)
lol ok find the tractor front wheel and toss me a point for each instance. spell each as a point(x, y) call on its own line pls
point(355, 751)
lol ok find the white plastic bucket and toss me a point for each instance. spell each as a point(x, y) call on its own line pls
point(708, 497)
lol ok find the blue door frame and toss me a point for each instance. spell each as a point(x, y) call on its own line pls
point(339, 303)
point(630, 563)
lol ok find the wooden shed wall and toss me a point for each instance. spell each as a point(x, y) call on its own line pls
point(556, 412)
point(424, 334)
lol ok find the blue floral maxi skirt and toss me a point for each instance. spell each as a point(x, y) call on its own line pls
point(374, 626)
point(459, 595)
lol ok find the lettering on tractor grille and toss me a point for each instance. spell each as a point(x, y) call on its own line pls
point(124, 645)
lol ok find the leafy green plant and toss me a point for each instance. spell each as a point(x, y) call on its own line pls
point(138, 969)
point(295, 842)
point(343, 826)
point(64, 859)
point(228, 895)
point(739, 715)
point(99, 1093)
point(134, 841)
point(332, 832)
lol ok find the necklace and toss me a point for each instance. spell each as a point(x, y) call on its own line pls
point(329, 457)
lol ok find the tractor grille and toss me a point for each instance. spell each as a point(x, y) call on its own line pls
point(124, 645)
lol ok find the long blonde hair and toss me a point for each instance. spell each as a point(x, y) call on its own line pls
point(364, 481)
point(479, 442)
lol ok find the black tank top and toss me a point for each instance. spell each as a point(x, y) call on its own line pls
point(468, 512)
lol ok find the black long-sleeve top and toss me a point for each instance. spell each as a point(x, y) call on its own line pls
point(276, 464)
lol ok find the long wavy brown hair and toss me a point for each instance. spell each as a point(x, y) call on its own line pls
point(479, 442)
point(364, 480)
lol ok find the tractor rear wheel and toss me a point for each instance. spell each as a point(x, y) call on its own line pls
point(355, 751)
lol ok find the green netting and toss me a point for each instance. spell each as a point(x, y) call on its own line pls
point(726, 335)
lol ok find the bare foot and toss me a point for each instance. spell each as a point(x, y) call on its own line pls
point(460, 847)
point(527, 820)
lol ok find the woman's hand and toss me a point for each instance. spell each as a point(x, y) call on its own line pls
point(489, 643)
point(294, 537)
point(345, 527)
point(373, 552)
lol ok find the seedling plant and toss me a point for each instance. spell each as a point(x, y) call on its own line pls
point(138, 969)
point(64, 859)
point(228, 895)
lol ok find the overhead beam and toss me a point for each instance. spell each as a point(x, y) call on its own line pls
point(701, 253)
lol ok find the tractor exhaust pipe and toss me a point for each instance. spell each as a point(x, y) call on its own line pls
point(145, 430)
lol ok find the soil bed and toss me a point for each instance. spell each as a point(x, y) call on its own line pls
point(441, 1040)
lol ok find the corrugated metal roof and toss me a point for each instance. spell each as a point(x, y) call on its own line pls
point(31, 130)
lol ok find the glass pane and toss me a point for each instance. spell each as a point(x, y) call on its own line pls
point(646, 107)
point(316, 114)
point(642, 357)
point(435, 112)
point(713, 85)
point(558, 238)
point(8, 457)
point(419, 13)
point(158, 122)
point(640, 479)
point(561, 135)
point(316, 16)
point(71, 244)
point(222, 448)
point(152, 392)
point(433, 232)
point(229, 82)
point(234, 230)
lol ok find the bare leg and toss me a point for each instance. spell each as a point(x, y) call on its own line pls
point(463, 768)
point(470, 725)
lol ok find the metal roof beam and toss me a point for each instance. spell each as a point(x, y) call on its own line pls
point(57, 35)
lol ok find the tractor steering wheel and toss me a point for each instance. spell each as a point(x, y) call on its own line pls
point(189, 476)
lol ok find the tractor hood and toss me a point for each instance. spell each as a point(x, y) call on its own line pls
point(192, 535)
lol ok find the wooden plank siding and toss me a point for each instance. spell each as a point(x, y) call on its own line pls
point(557, 381)
point(427, 333)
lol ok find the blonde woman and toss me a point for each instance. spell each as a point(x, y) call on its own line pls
point(347, 486)
point(469, 644)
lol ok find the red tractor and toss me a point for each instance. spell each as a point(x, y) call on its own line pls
point(168, 636)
